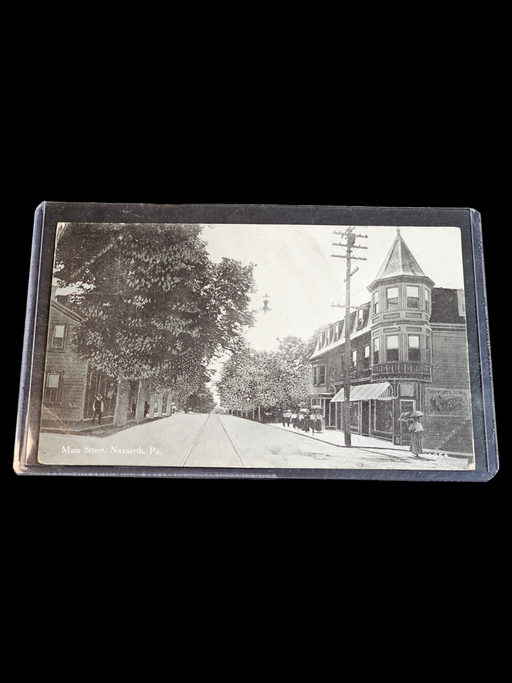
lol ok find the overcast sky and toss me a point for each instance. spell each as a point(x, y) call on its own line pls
point(295, 268)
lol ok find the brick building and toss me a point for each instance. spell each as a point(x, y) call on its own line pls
point(408, 351)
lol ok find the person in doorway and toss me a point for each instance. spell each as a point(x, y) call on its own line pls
point(98, 409)
point(416, 429)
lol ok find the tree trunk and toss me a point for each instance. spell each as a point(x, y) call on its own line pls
point(122, 403)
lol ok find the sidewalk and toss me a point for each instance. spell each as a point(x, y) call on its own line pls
point(86, 428)
point(337, 438)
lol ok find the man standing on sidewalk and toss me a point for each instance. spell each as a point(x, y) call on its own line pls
point(98, 409)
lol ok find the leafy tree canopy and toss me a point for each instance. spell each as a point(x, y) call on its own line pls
point(154, 305)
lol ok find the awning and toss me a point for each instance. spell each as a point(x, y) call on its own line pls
point(365, 392)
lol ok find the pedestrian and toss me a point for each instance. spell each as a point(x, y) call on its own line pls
point(283, 418)
point(416, 429)
point(294, 420)
point(288, 416)
point(98, 409)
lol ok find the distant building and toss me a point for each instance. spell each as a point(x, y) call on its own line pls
point(408, 352)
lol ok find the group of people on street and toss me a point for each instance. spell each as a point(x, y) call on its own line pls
point(302, 421)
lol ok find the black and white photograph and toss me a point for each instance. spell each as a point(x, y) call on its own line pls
point(257, 346)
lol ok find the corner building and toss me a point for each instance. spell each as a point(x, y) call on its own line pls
point(408, 352)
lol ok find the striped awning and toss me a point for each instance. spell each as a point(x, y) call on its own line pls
point(365, 392)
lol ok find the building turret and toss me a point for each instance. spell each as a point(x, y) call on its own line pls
point(401, 300)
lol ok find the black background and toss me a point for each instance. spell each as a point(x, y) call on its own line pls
point(284, 156)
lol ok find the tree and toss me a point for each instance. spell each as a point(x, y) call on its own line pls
point(154, 305)
point(293, 354)
point(272, 380)
point(201, 400)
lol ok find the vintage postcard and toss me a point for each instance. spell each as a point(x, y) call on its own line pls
point(199, 345)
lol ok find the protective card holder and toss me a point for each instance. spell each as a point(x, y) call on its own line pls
point(131, 307)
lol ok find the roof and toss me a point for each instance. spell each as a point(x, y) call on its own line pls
point(338, 329)
point(64, 310)
point(399, 261)
point(447, 306)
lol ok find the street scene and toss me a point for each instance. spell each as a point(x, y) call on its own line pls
point(257, 346)
point(213, 440)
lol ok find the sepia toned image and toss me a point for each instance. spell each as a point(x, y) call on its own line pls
point(187, 345)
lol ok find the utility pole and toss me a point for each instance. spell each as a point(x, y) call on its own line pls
point(350, 245)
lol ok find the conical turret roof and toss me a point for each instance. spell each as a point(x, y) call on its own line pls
point(399, 261)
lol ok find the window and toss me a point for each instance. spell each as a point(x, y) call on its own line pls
point(392, 347)
point(414, 348)
point(376, 345)
point(318, 375)
point(59, 332)
point(461, 302)
point(427, 301)
point(360, 319)
point(367, 356)
point(376, 302)
point(427, 349)
point(413, 297)
point(52, 387)
point(354, 359)
point(391, 297)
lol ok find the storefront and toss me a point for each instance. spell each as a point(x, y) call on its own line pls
point(371, 409)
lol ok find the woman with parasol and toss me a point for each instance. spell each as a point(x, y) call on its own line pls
point(416, 429)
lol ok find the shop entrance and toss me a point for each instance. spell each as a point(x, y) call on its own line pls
point(365, 418)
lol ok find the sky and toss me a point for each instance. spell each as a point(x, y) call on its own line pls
point(294, 267)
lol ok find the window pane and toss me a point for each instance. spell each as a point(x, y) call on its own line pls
point(392, 342)
point(52, 380)
point(413, 291)
point(58, 331)
point(414, 341)
point(392, 297)
point(366, 351)
point(392, 354)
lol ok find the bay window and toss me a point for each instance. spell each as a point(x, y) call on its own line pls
point(392, 348)
point(413, 297)
point(414, 348)
point(391, 298)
